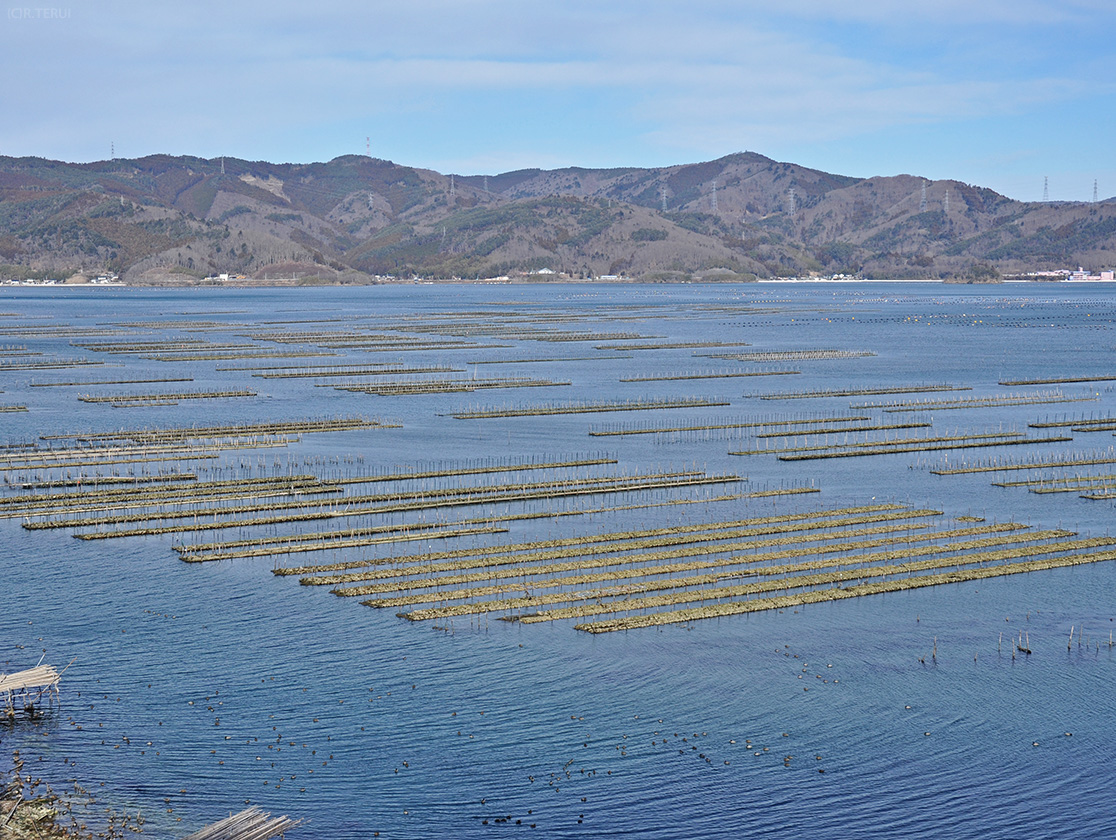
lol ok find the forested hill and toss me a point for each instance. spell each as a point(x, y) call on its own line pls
point(166, 219)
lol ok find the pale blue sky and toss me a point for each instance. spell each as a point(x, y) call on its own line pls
point(998, 93)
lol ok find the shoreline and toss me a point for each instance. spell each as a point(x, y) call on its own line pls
point(293, 284)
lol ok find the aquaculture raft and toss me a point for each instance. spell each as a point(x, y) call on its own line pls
point(29, 686)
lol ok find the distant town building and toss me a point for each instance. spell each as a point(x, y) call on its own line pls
point(1066, 275)
point(1082, 275)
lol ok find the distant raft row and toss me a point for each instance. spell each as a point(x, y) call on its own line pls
point(298, 511)
point(324, 371)
point(444, 386)
point(220, 356)
point(241, 430)
point(633, 579)
point(1058, 461)
point(588, 407)
point(544, 360)
point(334, 540)
point(709, 374)
point(136, 347)
point(924, 443)
point(244, 503)
point(1090, 424)
point(111, 382)
point(973, 402)
point(793, 355)
point(185, 489)
point(168, 398)
point(1059, 380)
point(671, 345)
point(131, 447)
point(1094, 487)
point(859, 392)
point(644, 427)
point(46, 364)
point(86, 456)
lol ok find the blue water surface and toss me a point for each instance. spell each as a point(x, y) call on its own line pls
point(197, 689)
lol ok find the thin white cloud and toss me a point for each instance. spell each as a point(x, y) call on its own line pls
point(912, 13)
point(501, 80)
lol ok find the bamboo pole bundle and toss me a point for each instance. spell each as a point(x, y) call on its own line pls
point(250, 824)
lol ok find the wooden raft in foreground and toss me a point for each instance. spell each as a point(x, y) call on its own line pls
point(29, 685)
point(249, 824)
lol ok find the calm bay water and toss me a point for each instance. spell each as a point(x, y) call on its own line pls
point(198, 688)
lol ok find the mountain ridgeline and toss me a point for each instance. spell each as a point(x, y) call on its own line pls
point(163, 219)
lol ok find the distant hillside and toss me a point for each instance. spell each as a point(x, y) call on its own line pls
point(164, 219)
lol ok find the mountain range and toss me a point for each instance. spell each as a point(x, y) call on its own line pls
point(163, 219)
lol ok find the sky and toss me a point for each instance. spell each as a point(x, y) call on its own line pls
point(997, 93)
